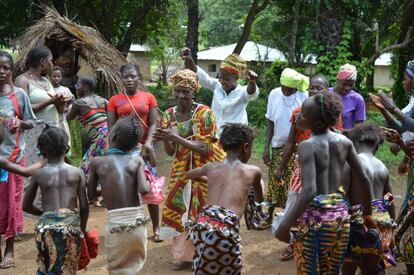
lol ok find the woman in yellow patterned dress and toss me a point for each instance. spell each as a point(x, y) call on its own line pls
point(189, 132)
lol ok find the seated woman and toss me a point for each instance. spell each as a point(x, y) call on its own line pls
point(90, 109)
point(190, 134)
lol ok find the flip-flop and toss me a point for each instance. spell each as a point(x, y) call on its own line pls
point(156, 238)
point(287, 253)
point(7, 263)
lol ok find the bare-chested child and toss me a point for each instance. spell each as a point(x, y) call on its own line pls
point(215, 234)
point(121, 175)
point(320, 210)
point(369, 250)
point(60, 227)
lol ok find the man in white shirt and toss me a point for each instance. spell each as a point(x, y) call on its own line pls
point(229, 99)
point(280, 105)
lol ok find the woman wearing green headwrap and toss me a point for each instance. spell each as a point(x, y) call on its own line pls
point(280, 105)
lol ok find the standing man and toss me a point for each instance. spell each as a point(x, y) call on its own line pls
point(229, 98)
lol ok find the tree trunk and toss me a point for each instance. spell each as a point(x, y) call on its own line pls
point(255, 9)
point(294, 32)
point(137, 22)
point(404, 54)
point(192, 28)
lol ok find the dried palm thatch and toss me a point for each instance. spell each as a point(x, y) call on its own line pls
point(101, 55)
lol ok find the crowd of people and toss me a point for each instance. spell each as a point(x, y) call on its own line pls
point(338, 210)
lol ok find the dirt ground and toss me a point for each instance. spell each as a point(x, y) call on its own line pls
point(260, 249)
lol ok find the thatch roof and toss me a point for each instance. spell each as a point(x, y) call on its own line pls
point(100, 55)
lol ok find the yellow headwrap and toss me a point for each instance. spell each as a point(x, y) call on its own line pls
point(292, 79)
point(234, 64)
point(186, 79)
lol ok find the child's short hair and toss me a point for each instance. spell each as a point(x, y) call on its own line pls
point(330, 107)
point(53, 141)
point(88, 81)
point(57, 69)
point(235, 135)
point(366, 133)
point(128, 133)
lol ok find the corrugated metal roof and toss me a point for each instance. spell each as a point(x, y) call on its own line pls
point(138, 48)
point(251, 52)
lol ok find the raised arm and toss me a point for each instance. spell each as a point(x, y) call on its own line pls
point(188, 60)
point(251, 85)
point(83, 202)
point(143, 186)
point(29, 197)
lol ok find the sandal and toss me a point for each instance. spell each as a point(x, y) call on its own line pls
point(7, 263)
point(287, 253)
point(156, 238)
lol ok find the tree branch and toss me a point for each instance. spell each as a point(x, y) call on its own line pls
point(137, 22)
point(403, 44)
point(255, 9)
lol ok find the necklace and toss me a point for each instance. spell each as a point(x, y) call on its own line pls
point(43, 86)
point(286, 102)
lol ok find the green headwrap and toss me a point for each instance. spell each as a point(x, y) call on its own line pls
point(292, 79)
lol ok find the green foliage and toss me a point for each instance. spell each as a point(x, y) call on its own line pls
point(164, 95)
point(222, 21)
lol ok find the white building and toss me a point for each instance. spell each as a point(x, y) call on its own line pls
point(210, 60)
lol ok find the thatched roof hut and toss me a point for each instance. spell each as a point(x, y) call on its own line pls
point(59, 33)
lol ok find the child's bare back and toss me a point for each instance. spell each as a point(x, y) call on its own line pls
point(59, 185)
point(121, 177)
point(330, 153)
point(229, 183)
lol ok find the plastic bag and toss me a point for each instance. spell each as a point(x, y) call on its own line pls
point(156, 195)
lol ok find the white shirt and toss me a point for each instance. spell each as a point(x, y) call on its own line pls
point(279, 111)
point(227, 108)
point(407, 135)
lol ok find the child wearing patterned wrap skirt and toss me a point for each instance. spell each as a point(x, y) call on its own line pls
point(373, 250)
point(60, 228)
point(215, 232)
point(121, 175)
point(320, 209)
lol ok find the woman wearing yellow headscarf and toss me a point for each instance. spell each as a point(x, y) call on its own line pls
point(190, 134)
point(281, 103)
